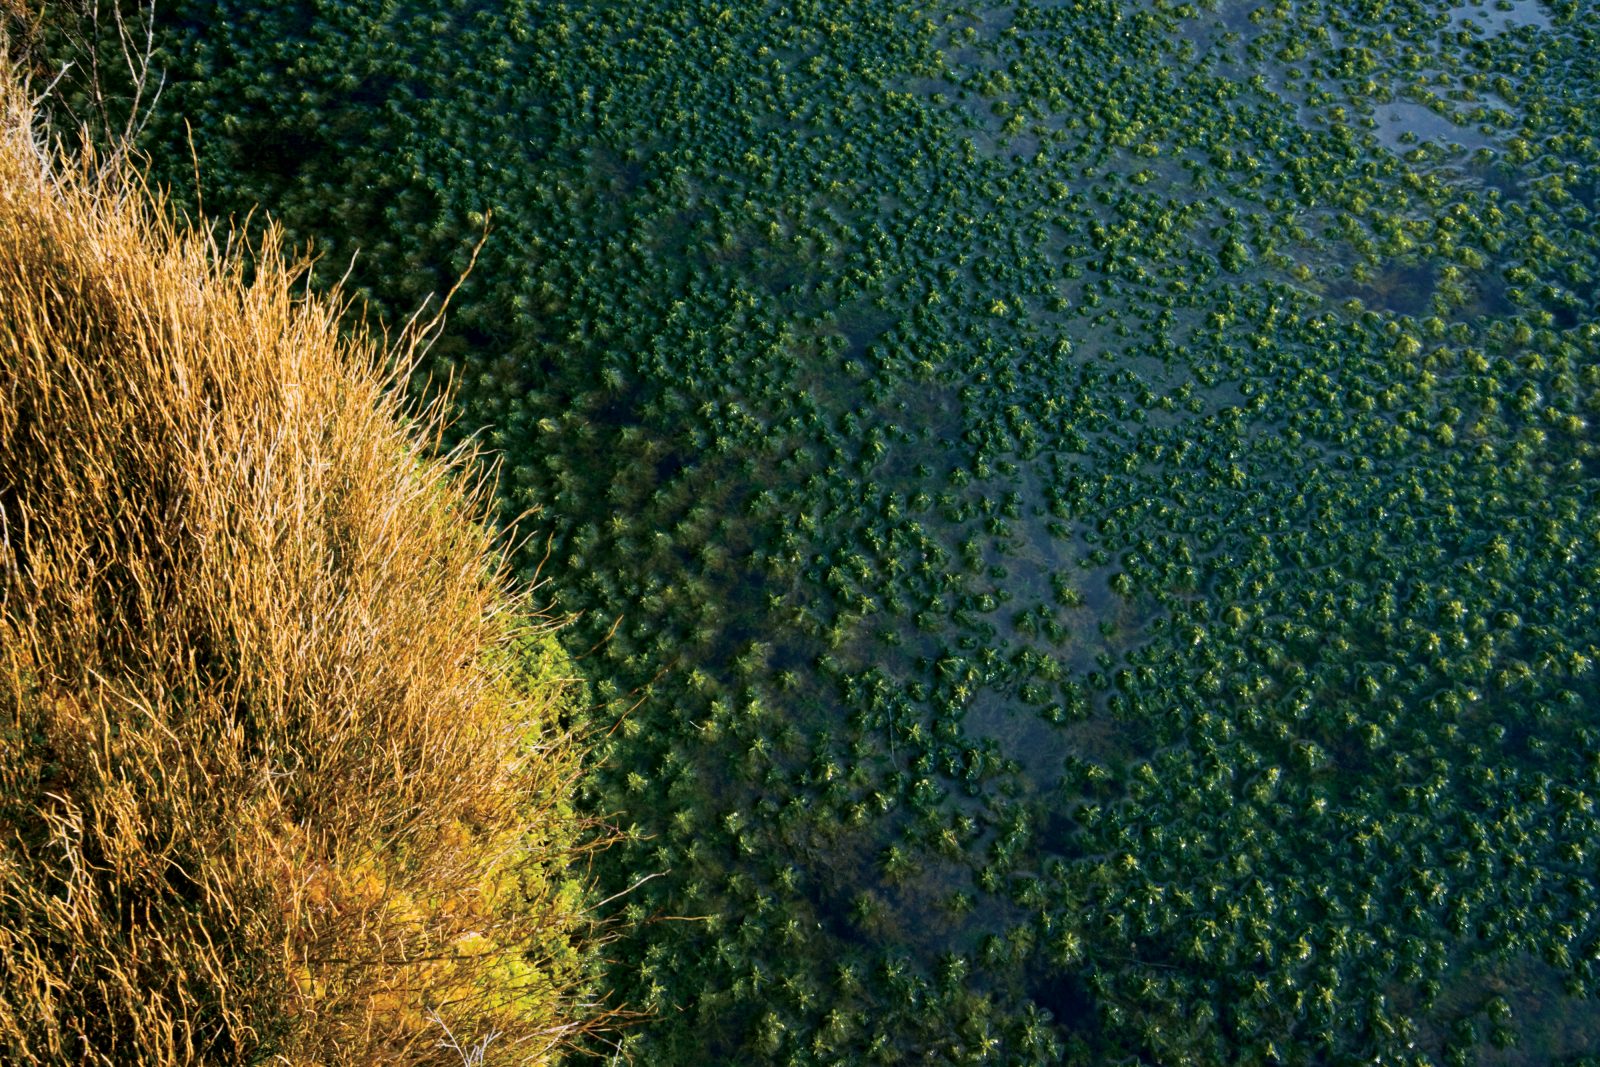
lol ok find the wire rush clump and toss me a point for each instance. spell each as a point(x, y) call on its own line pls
point(284, 766)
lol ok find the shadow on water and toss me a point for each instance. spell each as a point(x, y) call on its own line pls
point(1065, 996)
point(832, 910)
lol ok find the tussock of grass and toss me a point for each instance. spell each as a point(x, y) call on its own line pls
point(276, 784)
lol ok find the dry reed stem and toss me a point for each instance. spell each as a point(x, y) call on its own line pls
point(275, 781)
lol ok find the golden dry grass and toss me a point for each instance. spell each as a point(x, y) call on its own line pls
point(276, 784)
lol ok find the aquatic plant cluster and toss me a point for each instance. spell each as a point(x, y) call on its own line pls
point(1083, 510)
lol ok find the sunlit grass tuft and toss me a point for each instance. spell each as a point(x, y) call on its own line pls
point(283, 768)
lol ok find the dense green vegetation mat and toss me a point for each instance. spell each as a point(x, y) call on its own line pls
point(1098, 496)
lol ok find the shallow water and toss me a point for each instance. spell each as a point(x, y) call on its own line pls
point(1497, 16)
point(1403, 123)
